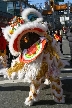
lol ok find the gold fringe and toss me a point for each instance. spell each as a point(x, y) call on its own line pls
point(15, 68)
point(42, 72)
point(50, 49)
point(60, 65)
point(3, 54)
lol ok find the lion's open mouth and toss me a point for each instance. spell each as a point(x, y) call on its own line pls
point(30, 54)
point(28, 40)
point(30, 43)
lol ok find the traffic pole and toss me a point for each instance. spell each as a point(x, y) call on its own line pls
point(68, 12)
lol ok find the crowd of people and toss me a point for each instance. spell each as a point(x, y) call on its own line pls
point(69, 38)
point(58, 36)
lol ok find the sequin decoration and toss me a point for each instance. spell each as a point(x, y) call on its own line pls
point(15, 23)
point(42, 72)
point(49, 49)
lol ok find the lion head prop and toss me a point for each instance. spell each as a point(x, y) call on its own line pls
point(26, 31)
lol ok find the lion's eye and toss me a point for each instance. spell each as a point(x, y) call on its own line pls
point(32, 17)
point(26, 39)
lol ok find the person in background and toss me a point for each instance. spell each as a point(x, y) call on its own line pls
point(69, 37)
point(3, 56)
point(4, 50)
point(61, 33)
point(51, 32)
point(58, 38)
point(10, 56)
point(3, 44)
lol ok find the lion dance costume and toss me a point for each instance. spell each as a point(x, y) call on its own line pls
point(38, 55)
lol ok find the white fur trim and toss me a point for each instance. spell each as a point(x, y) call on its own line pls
point(27, 11)
point(20, 75)
point(56, 85)
point(6, 34)
point(13, 75)
point(56, 94)
point(61, 101)
point(28, 101)
point(3, 71)
point(47, 82)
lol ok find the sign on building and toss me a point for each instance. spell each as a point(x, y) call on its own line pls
point(66, 18)
point(63, 19)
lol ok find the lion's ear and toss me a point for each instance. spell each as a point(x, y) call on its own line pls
point(31, 14)
point(5, 33)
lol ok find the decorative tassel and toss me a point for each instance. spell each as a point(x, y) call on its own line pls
point(49, 48)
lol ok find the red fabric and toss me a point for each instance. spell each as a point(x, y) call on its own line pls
point(3, 42)
point(58, 38)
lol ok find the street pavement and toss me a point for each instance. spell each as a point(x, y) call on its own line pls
point(65, 46)
point(12, 95)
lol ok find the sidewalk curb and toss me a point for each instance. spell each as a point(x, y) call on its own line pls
point(66, 69)
point(65, 78)
point(22, 81)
